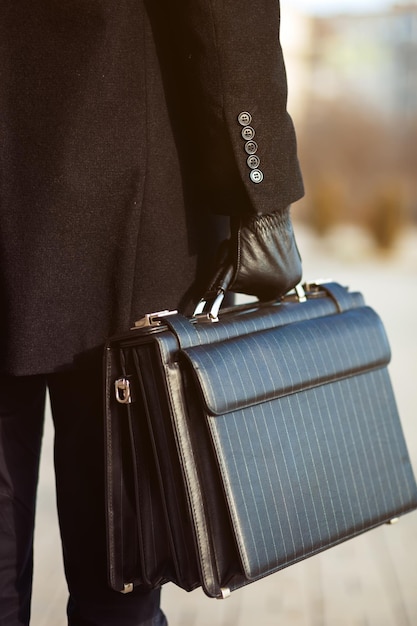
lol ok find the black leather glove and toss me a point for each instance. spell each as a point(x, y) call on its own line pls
point(261, 257)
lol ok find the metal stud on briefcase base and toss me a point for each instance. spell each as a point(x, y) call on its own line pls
point(237, 448)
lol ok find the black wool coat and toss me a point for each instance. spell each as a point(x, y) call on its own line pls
point(122, 145)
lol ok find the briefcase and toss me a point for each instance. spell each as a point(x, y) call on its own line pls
point(237, 447)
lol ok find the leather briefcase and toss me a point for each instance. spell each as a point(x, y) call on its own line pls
point(237, 448)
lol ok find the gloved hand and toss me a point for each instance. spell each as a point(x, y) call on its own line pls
point(261, 257)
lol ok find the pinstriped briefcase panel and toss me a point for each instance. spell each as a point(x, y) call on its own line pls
point(311, 470)
point(273, 363)
point(306, 434)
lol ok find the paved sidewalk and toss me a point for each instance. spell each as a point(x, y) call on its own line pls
point(370, 581)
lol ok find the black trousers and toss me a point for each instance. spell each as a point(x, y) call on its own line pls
point(76, 402)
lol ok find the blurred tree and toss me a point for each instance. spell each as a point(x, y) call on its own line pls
point(326, 206)
point(350, 156)
point(386, 217)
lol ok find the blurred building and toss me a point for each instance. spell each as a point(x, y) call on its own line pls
point(369, 57)
point(353, 95)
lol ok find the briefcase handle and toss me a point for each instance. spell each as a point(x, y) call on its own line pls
point(214, 298)
point(301, 292)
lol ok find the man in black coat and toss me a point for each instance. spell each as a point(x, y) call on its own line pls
point(129, 130)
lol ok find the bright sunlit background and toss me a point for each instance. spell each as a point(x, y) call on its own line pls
point(352, 74)
point(337, 6)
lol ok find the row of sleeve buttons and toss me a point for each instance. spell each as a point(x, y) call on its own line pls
point(251, 147)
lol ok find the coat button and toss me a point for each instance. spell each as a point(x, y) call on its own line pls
point(253, 161)
point(256, 176)
point(244, 118)
point(251, 147)
point(248, 133)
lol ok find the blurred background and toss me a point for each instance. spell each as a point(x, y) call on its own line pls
point(352, 73)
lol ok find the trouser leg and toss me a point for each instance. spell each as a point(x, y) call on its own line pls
point(76, 402)
point(22, 404)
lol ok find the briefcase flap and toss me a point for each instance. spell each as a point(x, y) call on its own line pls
point(240, 372)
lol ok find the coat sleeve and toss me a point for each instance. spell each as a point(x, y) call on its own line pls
point(226, 83)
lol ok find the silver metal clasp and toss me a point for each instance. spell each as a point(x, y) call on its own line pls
point(300, 292)
point(213, 314)
point(123, 391)
point(153, 319)
point(303, 292)
point(226, 593)
point(214, 297)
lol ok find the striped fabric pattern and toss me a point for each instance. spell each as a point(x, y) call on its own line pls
point(236, 324)
point(311, 469)
point(273, 363)
point(303, 423)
